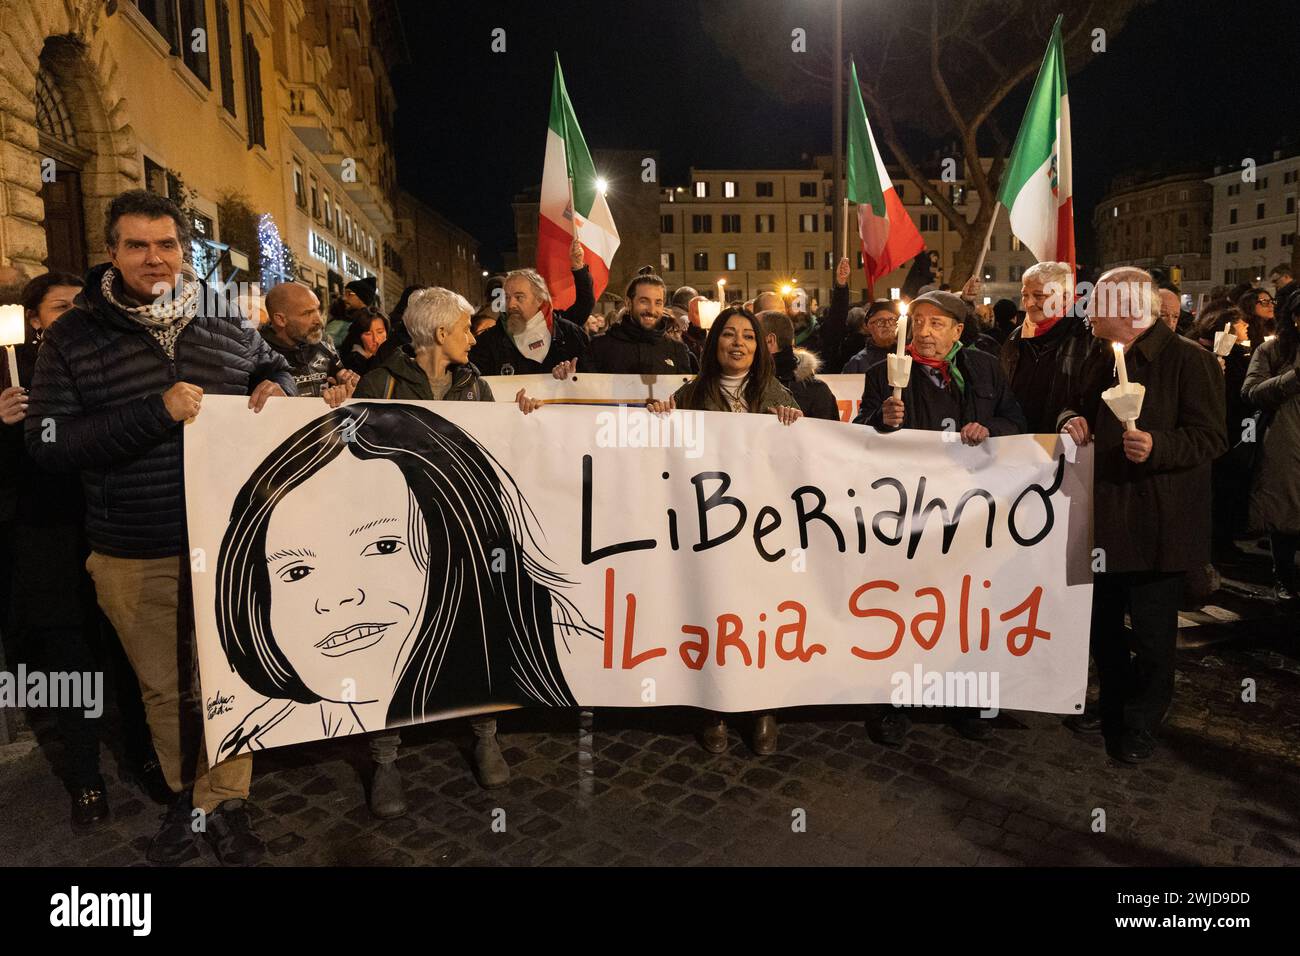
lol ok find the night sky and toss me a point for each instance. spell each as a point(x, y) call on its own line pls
point(1186, 81)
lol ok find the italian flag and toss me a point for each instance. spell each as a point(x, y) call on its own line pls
point(587, 216)
point(889, 237)
point(1037, 187)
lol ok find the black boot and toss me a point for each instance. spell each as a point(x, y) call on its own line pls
point(175, 841)
point(230, 833)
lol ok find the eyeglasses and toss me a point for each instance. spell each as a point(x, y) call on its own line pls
point(1263, 300)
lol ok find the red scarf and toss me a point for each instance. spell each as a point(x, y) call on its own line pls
point(942, 364)
point(1045, 326)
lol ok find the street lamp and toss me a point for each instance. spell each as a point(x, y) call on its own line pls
point(602, 184)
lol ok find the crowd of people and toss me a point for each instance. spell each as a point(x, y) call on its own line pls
point(93, 506)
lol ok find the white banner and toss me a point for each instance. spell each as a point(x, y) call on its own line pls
point(594, 389)
point(392, 562)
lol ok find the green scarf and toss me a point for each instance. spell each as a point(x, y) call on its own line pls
point(947, 366)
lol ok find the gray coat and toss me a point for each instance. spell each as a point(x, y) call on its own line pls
point(1274, 386)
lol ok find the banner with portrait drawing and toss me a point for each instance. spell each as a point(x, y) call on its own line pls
point(387, 563)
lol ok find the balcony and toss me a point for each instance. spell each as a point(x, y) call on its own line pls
point(308, 114)
point(365, 191)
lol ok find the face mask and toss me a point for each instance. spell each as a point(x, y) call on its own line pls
point(534, 341)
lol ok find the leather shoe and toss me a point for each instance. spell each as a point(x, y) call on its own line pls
point(893, 729)
point(231, 835)
point(1135, 746)
point(89, 806)
point(174, 843)
point(765, 735)
point(1283, 592)
point(713, 736)
point(387, 793)
point(1089, 722)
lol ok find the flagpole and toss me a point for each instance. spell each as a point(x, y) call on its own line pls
point(844, 238)
point(839, 192)
point(984, 250)
point(573, 212)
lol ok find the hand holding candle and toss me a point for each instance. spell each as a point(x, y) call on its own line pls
point(12, 333)
point(1225, 340)
point(899, 364)
point(1125, 399)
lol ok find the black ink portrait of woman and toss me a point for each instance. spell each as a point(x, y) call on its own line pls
point(381, 568)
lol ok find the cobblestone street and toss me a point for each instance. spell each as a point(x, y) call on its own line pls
point(1221, 789)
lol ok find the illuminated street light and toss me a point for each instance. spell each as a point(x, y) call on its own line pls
point(602, 184)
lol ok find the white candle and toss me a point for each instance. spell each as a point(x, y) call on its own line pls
point(722, 294)
point(12, 332)
point(901, 344)
point(1120, 368)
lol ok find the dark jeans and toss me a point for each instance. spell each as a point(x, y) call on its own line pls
point(61, 629)
point(1136, 670)
point(1228, 505)
point(1284, 547)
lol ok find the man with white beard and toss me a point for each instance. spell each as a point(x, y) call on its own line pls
point(530, 338)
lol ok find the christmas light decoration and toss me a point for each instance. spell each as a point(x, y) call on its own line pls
point(278, 263)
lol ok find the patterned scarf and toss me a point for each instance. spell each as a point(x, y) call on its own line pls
point(166, 317)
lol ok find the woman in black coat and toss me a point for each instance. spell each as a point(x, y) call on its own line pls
point(54, 614)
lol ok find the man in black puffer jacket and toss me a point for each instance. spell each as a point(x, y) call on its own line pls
point(636, 344)
point(115, 378)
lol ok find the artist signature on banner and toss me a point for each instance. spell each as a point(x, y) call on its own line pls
point(219, 705)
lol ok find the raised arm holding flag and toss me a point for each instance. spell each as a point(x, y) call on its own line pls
point(572, 206)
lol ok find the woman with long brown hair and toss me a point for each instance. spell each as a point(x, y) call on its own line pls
point(737, 374)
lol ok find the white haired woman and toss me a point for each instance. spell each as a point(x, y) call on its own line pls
point(438, 321)
point(1043, 356)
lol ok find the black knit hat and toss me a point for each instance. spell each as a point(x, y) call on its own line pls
point(366, 289)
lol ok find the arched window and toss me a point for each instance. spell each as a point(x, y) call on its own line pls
point(52, 117)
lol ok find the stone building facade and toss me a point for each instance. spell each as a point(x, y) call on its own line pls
point(233, 107)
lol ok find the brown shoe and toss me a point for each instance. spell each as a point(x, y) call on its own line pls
point(765, 735)
point(714, 736)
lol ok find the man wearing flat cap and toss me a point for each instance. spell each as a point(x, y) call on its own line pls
point(951, 389)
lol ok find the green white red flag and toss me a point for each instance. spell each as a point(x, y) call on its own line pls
point(1037, 187)
point(889, 237)
point(587, 216)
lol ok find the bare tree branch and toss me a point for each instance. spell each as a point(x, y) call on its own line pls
point(914, 173)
